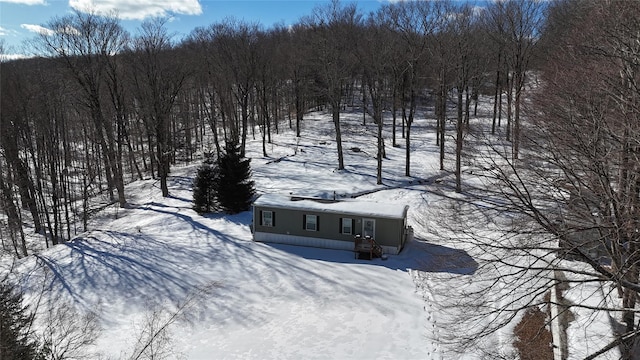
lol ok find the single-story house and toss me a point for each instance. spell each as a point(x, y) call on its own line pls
point(327, 223)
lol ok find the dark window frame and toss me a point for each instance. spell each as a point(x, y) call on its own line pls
point(306, 223)
point(351, 223)
point(262, 218)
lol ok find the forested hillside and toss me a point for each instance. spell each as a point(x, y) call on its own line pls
point(100, 107)
point(555, 171)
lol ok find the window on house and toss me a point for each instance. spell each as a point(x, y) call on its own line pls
point(311, 222)
point(268, 218)
point(346, 226)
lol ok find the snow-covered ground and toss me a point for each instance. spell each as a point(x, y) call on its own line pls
point(242, 299)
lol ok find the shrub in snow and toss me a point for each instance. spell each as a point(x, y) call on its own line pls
point(15, 337)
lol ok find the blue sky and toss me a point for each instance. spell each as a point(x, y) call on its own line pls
point(19, 19)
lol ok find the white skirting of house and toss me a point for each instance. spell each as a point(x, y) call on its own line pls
point(313, 242)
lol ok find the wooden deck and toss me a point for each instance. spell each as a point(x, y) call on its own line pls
point(366, 248)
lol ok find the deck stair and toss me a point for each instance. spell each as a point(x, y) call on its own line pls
point(366, 248)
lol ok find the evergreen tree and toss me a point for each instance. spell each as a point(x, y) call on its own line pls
point(234, 188)
point(15, 323)
point(204, 187)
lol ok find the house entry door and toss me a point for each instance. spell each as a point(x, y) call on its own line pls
point(369, 228)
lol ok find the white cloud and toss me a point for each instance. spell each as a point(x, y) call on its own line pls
point(37, 29)
point(140, 9)
point(3, 31)
point(25, 2)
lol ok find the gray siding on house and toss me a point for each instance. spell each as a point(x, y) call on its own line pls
point(290, 222)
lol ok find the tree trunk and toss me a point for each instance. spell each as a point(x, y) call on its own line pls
point(459, 126)
point(299, 103)
point(25, 186)
point(442, 119)
point(13, 218)
point(162, 149)
point(336, 122)
point(629, 301)
point(245, 122)
point(380, 150)
point(519, 85)
point(265, 120)
point(364, 107)
point(500, 105)
point(210, 111)
point(394, 105)
point(495, 96)
point(407, 165)
point(509, 106)
point(467, 103)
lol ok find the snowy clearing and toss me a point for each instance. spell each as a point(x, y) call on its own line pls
point(264, 300)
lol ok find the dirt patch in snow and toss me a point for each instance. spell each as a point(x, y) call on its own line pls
point(533, 339)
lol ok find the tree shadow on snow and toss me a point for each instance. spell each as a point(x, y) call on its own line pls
point(430, 257)
point(135, 264)
point(416, 255)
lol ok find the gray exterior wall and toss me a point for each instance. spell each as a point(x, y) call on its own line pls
point(388, 232)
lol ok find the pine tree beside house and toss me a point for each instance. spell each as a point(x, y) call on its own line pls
point(234, 187)
point(204, 188)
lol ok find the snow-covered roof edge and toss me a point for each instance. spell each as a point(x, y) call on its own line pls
point(343, 206)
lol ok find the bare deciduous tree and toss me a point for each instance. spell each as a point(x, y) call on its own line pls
point(517, 25)
point(68, 334)
point(154, 339)
point(414, 22)
point(331, 32)
point(567, 209)
point(376, 57)
point(86, 43)
point(157, 81)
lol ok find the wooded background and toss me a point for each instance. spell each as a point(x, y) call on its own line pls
point(99, 107)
